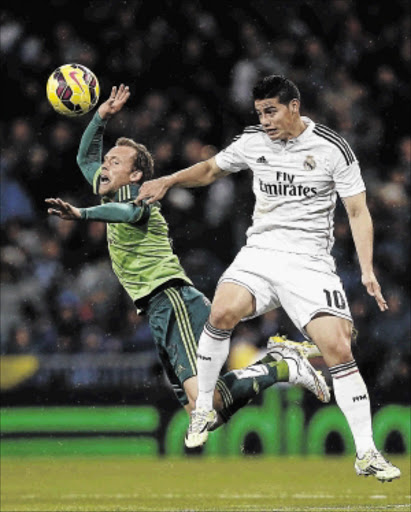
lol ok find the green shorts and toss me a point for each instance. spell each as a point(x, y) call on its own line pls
point(177, 316)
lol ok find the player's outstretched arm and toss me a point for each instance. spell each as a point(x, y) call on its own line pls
point(363, 235)
point(118, 98)
point(90, 152)
point(109, 212)
point(63, 209)
point(198, 175)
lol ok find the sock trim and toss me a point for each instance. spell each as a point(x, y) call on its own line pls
point(341, 366)
point(346, 375)
point(343, 370)
point(215, 333)
point(184, 326)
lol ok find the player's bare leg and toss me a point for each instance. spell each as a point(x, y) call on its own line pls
point(332, 335)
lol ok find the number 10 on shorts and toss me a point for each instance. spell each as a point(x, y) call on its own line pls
point(335, 299)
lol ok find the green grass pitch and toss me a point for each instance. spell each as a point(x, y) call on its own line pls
point(255, 484)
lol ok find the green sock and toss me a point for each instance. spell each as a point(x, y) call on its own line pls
point(239, 387)
point(283, 374)
point(282, 369)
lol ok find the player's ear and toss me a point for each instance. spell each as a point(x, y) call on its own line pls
point(135, 176)
point(295, 106)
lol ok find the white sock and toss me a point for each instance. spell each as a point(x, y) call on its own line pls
point(212, 353)
point(352, 398)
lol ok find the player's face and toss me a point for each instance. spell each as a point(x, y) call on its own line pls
point(278, 120)
point(117, 169)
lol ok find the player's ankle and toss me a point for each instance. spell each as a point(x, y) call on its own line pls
point(205, 401)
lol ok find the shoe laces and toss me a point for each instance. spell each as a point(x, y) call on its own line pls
point(198, 419)
point(379, 458)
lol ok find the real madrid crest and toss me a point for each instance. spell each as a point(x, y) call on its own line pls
point(309, 163)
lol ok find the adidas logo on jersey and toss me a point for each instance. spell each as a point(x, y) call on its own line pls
point(261, 160)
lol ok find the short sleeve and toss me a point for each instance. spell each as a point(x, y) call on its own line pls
point(347, 175)
point(231, 158)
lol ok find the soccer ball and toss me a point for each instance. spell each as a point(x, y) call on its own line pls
point(73, 90)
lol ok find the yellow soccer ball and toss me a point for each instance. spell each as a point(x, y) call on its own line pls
point(73, 90)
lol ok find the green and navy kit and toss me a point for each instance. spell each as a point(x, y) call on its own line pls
point(146, 266)
point(138, 238)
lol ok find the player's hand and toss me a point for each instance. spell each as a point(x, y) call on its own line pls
point(153, 190)
point(374, 289)
point(115, 103)
point(62, 209)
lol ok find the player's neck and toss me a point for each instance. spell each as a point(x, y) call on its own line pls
point(297, 129)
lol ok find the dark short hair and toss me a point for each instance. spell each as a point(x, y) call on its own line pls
point(274, 86)
point(143, 160)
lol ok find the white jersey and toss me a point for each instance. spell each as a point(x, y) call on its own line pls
point(295, 184)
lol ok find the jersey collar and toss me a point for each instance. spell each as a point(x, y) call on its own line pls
point(301, 138)
point(306, 133)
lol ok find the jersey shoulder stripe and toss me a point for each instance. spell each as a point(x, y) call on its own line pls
point(333, 137)
point(124, 194)
point(96, 181)
point(250, 130)
point(326, 130)
point(254, 128)
point(337, 140)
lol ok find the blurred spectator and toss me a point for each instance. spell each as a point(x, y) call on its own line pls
point(15, 202)
point(394, 328)
point(135, 335)
point(22, 340)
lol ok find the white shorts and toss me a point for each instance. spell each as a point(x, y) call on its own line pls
point(303, 285)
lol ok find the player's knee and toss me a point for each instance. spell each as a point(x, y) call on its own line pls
point(335, 342)
point(340, 347)
point(342, 351)
point(223, 316)
point(218, 403)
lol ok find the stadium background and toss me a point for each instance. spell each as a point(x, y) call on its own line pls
point(69, 334)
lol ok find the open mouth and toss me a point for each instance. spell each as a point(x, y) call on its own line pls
point(104, 180)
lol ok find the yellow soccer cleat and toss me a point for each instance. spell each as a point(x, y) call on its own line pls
point(306, 348)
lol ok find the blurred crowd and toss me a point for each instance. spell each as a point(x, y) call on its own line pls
point(191, 67)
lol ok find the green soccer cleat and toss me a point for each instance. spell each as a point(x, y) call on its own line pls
point(200, 421)
point(373, 463)
point(306, 348)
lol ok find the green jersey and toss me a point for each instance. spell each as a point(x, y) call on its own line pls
point(138, 238)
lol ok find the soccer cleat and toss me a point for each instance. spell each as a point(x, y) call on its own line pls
point(307, 349)
point(373, 463)
point(301, 372)
point(200, 421)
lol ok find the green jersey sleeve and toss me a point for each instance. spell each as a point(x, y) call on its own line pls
point(117, 212)
point(121, 209)
point(90, 152)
